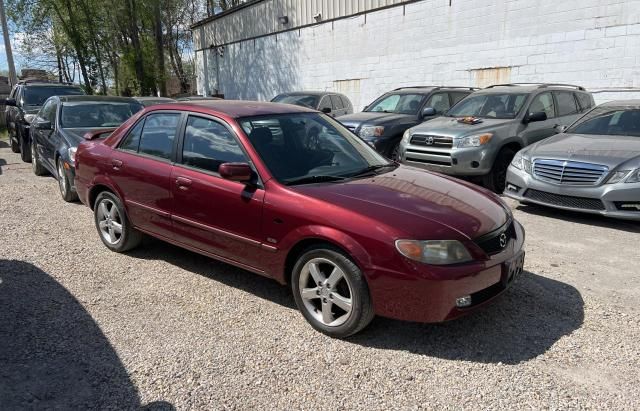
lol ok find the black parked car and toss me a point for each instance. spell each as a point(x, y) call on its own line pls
point(333, 104)
point(61, 125)
point(383, 122)
point(23, 104)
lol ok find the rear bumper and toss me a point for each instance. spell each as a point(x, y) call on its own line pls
point(431, 297)
point(609, 200)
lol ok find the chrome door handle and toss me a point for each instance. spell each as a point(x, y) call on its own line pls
point(116, 164)
point(183, 183)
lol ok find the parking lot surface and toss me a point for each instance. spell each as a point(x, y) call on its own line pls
point(161, 327)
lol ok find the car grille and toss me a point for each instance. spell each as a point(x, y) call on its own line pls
point(491, 243)
point(582, 203)
point(568, 172)
point(431, 141)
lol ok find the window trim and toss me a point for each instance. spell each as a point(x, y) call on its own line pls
point(180, 147)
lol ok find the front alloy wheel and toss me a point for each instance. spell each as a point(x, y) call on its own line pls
point(331, 292)
point(66, 192)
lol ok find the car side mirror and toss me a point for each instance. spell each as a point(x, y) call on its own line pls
point(560, 128)
point(240, 172)
point(537, 116)
point(43, 125)
point(429, 112)
point(10, 102)
point(326, 110)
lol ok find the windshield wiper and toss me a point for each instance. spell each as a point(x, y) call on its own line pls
point(373, 169)
point(313, 179)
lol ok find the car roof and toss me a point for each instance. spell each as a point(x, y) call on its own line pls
point(628, 104)
point(307, 93)
point(47, 84)
point(152, 98)
point(96, 99)
point(236, 108)
point(520, 88)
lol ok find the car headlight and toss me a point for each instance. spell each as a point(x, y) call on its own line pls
point(72, 155)
point(617, 176)
point(521, 163)
point(406, 136)
point(634, 177)
point(371, 131)
point(475, 140)
point(436, 252)
point(29, 117)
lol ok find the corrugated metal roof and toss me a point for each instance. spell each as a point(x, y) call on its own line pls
point(259, 18)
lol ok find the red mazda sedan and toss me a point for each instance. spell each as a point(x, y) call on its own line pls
point(289, 193)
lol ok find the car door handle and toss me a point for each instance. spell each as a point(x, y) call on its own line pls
point(183, 183)
point(116, 164)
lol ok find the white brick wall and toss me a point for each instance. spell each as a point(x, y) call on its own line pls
point(594, 43)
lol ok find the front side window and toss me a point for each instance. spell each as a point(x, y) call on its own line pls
point(609, 121)
point(489, 105)
point(398, 103)
point(158, 134)
point(543, 102)
point(308, 147)
point(48, 111)
point(88, 114)
point(207, 144)
point(325, 103)
point(566, 103)
point(36, 96)
point(439, 102)
point(132, 141)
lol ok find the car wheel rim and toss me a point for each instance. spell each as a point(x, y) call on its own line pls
point(61, 179)
point(326, 292)
point(34, 159)
point(109, 221)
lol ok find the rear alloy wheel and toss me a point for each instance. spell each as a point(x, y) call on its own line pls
point(37, 168)
point(113, 225)
point(67, 193)
point(496, 180)
point(331, 292)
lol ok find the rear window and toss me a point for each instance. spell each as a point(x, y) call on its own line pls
point(36, 96)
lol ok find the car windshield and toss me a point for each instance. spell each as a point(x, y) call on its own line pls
point(309, 101)
point(397, 103)
point(609, 121)
point(303, 148)
point(88, 115)
point(502, 106)
point(36, 96)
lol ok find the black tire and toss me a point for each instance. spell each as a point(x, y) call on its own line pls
point(496, 180)
point(394, 152)
point(25, 149)
point(15, 145)
point(37, 168)
point(361, 309)
point(130, 237)
point(64, 184)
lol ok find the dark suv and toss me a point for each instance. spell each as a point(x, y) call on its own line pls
point(24, 102)
point(383, 122)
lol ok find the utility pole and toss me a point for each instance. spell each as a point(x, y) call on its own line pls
point(7, 46)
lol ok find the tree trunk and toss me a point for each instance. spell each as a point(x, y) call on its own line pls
point(160, 79)
point(137, 49)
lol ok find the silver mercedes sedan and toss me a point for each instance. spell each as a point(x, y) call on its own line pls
point(593, 166)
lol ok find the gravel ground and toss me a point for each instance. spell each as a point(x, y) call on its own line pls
point(163, 328)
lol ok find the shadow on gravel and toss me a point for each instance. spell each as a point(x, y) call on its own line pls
point(227, 274)
point(52, 353)
point(521, 324)
point(580, 218)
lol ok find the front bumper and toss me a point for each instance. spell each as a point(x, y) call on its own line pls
point(430, 296)
point(470, 161)
point(610, 200)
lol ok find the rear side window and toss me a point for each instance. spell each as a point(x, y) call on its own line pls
point(345, 102)
point(325, 103)
point(132, 141)
point(48, 111)
point(158, 134)
point(207, 144)
point(543, 102)
point(585, 101)
point(337, 102)
point(566, 103)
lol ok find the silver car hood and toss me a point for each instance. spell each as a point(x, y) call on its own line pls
point(451, 127)
point(610, 151)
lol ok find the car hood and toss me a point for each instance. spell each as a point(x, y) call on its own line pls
point(610, 151)
point(373, 118)
point(410, 199)
point(451, 127)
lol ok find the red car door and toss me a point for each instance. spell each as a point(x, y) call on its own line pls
point(141, 169)
point(211, 213)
